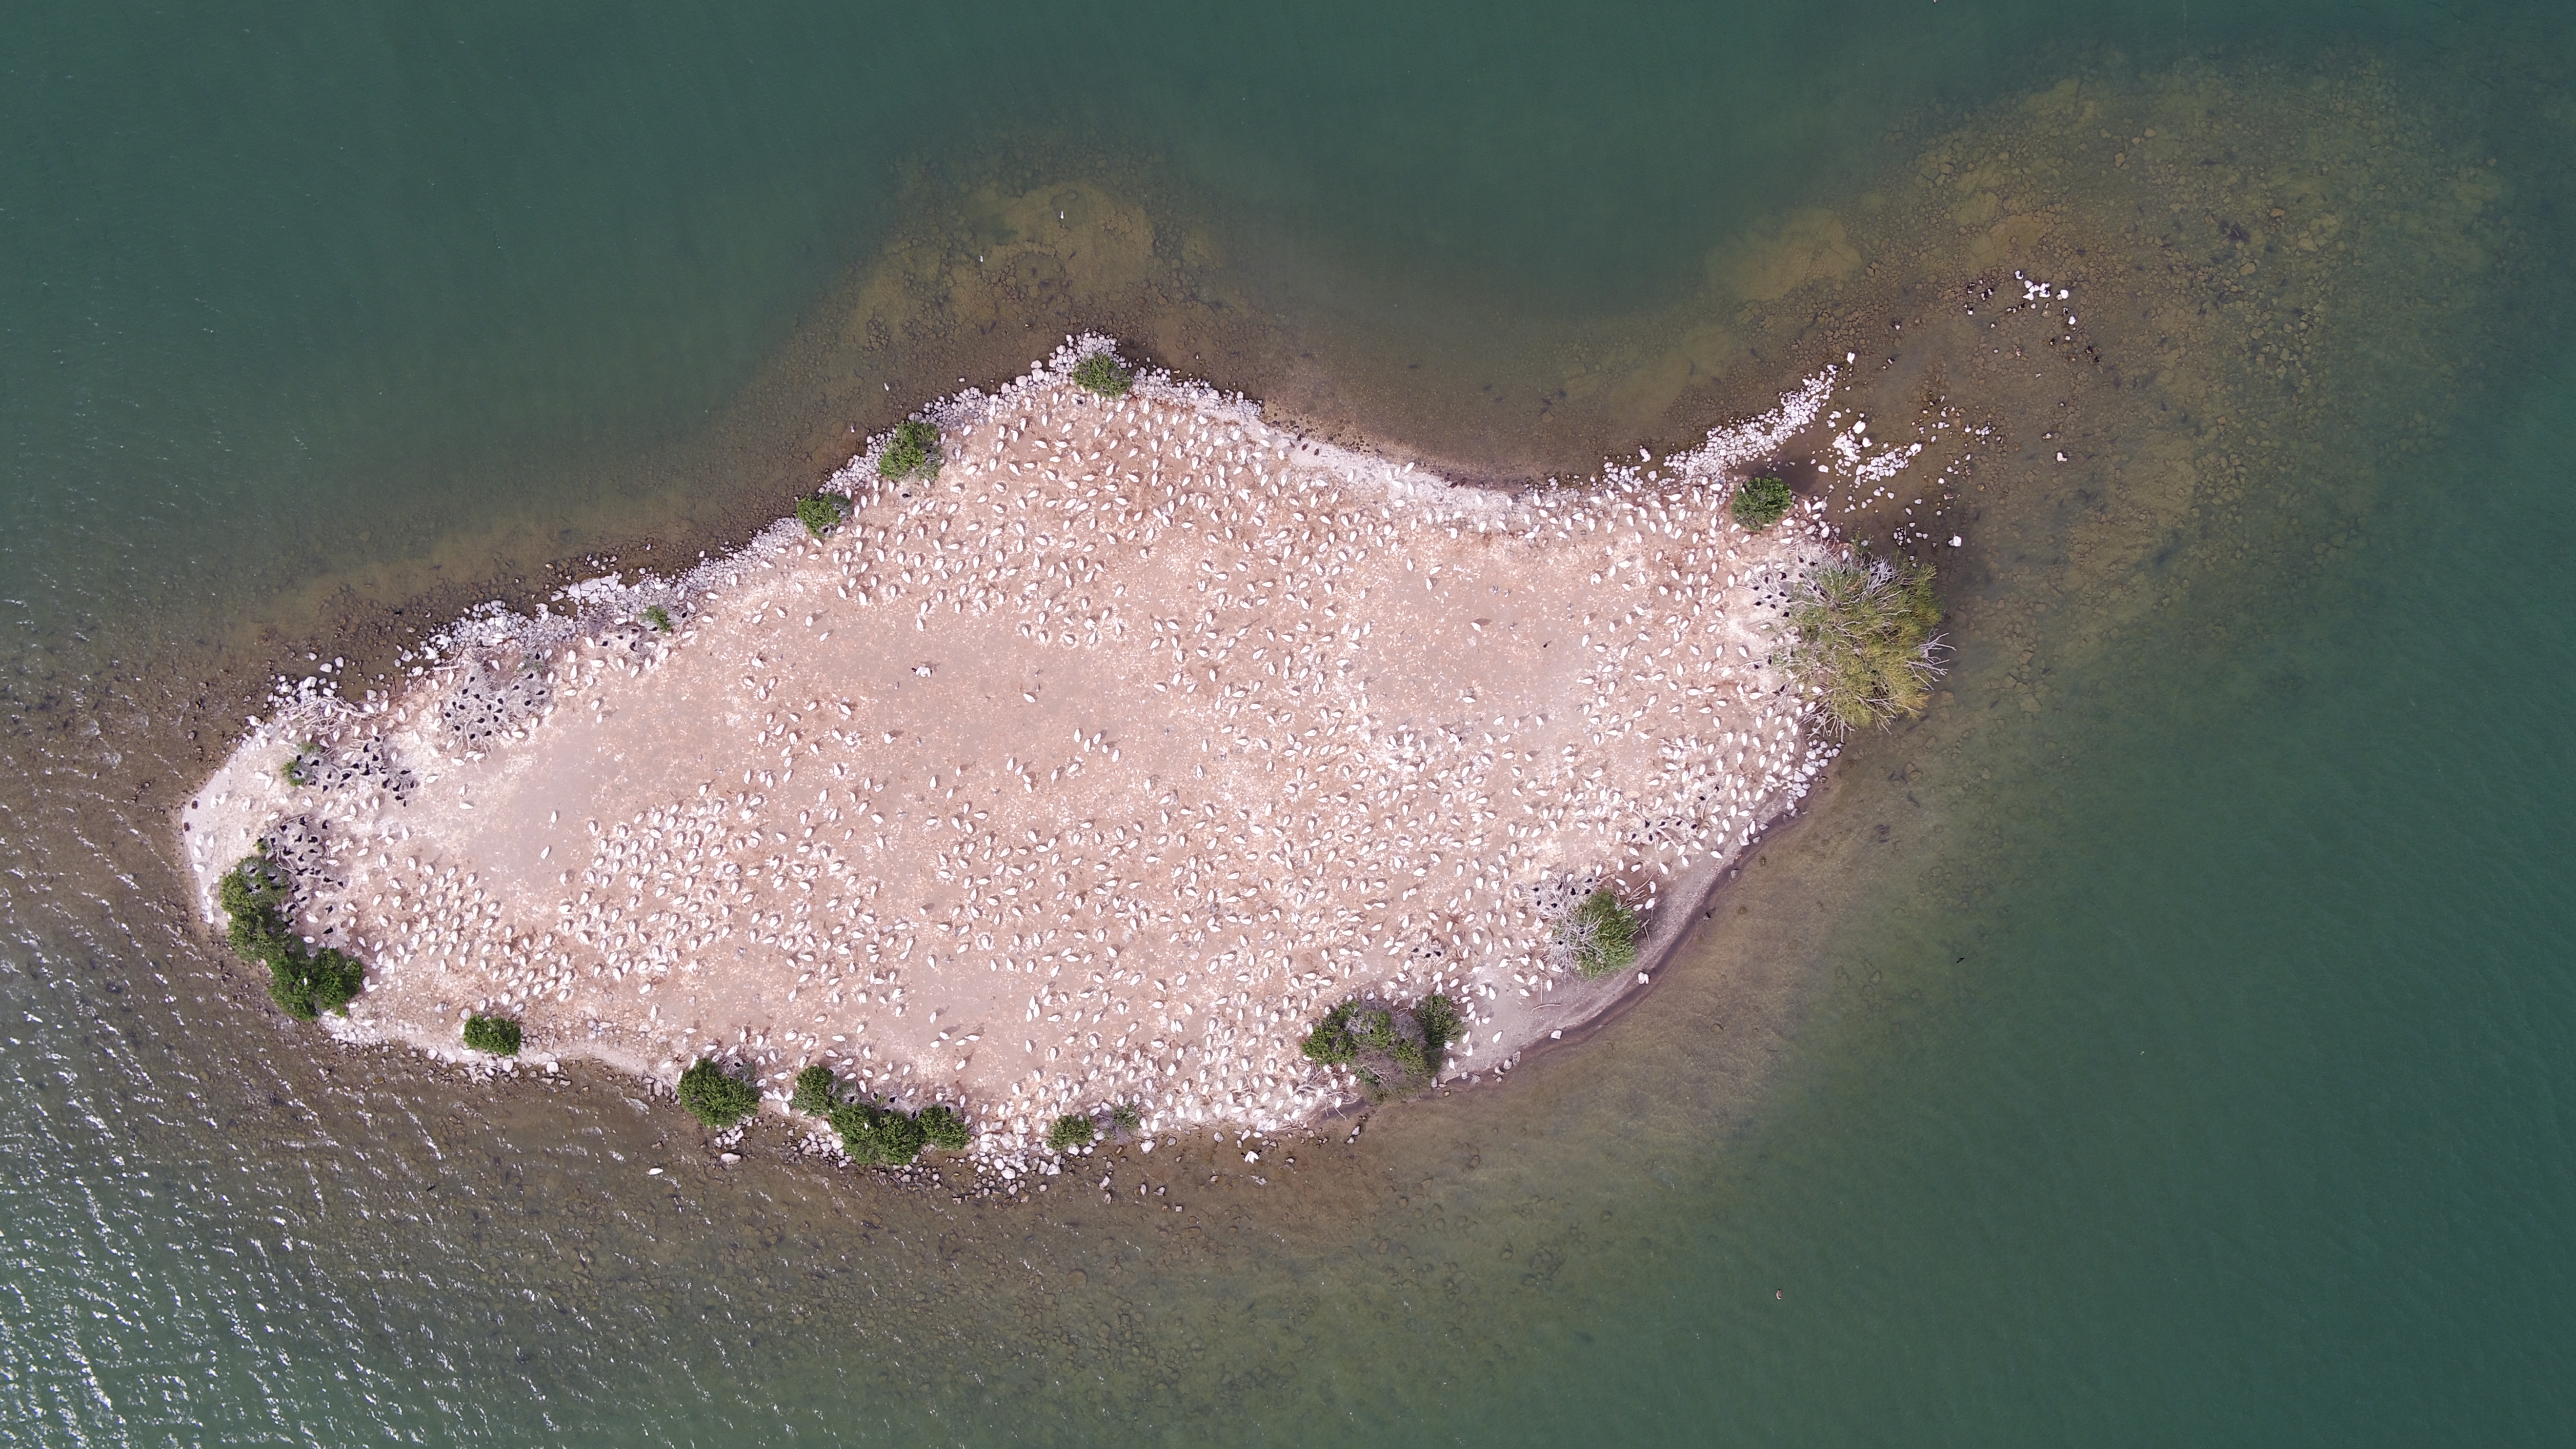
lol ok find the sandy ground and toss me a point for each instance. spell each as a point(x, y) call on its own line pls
point(1092, 771)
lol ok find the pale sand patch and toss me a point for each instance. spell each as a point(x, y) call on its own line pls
point(1091, 772)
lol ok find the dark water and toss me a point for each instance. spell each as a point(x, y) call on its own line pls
point(2167, 1040)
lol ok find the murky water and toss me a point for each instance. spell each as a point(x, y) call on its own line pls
point(2157, 1042)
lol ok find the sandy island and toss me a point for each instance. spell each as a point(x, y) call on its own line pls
point(1091, 771)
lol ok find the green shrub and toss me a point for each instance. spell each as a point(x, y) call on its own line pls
point(1410, 1059)
point(1440, 1026)
point(945, 1129)
point(1069, 1131)
point(1330, 1043)
point(1126, 1118)
point(1388, 1049)
point(717, 1097)
point(877, 1134)
point(1101, 373)
point(912, 451)
point(1759, 502)
point(872, 1133)
point(254, 896)
point(824, 511)
point(302, 981)
point(658, 617)
point(1864, 652)
point(816, 1090)
point(300, 767)
point(326, 980)
point(1375, 1031)
point(1602, 932)
point(498, 1035)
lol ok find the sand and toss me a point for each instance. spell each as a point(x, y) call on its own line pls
point(1091, 772)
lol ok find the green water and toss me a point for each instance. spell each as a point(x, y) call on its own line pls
point(2165, 1041)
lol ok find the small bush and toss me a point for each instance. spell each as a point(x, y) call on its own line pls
point(301, 766)
point(1388, 1049)
point(824, 511)
point(945, 1129)
point(716, 1097)
point(816, 1090)
point(1101, 373)
point(875, 1134)
point(1602, 932)
point(1440, 1025)
point(1125, 1118)
point(1330, 1043)
point(1070, 1131)
point(913, 451)
point(254, 896)
point(1864, 651)
point(302, 981)
point(658, 617)
point(1760, 502)
point(900, 1136)
point(326, 980)
point(498, 1035)
point(1376, 1032)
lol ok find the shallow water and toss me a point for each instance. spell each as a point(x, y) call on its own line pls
point(2159, 1042)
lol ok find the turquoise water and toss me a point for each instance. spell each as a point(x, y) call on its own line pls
point(2183, 1063)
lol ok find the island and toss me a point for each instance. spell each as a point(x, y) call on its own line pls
point(1091, 752)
